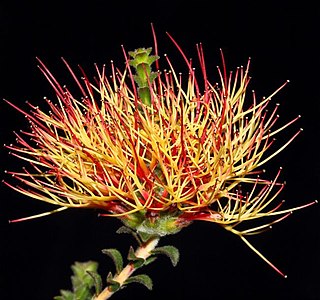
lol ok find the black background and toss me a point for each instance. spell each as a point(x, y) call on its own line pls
point(282, 39)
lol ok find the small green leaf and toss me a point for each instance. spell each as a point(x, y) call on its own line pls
point(137, 261)
point(131, 254)
point(116, 256)
point(97, 281)
point(149, 260)
point(170, 251)
point(145, 236)
point(142, 278)
point(125, 229)
point(113, 285)
point(109, 277)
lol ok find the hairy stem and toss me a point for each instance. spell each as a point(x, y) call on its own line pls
point(144, 251)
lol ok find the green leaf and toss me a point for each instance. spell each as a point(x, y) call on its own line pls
point(131, 255)
point(149, 260)
point(142, 279)
point(145, 236)
point(116, 256)
point(113, 285)
point(125, 229)
point(137, 261)
point(170, 251)
point(97, 281)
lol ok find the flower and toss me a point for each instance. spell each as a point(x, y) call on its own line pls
point(155, 149)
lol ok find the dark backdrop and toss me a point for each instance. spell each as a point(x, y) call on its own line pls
point(282, 39)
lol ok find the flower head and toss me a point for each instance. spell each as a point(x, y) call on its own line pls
point(146, 146)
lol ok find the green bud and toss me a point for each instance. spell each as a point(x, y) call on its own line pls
point(142, 61)
point(160, 226)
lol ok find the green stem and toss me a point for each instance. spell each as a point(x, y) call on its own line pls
point(144, 251)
